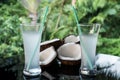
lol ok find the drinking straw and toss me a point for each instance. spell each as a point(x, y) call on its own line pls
point(80, 33)
point(40, 31)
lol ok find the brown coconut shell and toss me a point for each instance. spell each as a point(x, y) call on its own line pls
point(48, 60)
point(69, 54)
point(56, 43)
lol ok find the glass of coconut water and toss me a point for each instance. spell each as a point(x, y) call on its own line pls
point(31, 41)
point(88, 37)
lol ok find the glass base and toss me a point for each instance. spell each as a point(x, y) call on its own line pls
point(88, 73)
point(32, 72)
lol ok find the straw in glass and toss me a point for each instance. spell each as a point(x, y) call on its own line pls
point(40, 31)
point(80, 33)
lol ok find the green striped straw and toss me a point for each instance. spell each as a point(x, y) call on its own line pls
point(40, 31)
point(80, 33)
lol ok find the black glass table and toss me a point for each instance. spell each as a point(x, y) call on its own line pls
point(53, 71)
point(64, 75)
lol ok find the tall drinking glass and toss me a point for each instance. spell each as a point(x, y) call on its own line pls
point(31, 41)
point(89, 34)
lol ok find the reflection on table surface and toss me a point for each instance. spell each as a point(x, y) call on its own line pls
point(70, 77)
point(51, 72)
point(67, 73)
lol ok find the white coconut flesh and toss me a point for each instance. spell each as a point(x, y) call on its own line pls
point(50, 41)
point(47, 55)
point(69, 51)
point(71, 38)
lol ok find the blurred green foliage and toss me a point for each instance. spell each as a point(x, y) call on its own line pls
point(106, 12)
point(10, 38)
point(109, 46)
point(60, 22)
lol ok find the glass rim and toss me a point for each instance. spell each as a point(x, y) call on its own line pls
point(30, 27)
point(89, 24)
point(90, 28)
point(30, 24)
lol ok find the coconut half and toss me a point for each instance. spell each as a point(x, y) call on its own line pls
point(56, 43)
point(69, 51)
point(71, 38)
point(47, 56)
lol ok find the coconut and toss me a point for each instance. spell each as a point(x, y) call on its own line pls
point(69, 51)
point(54, 42)
point(71, 38)
point(47, 56)
point(69, 55)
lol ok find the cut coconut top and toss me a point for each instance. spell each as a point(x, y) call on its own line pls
point(47, 56)
point(71, 38)
point(50, 41)
point(69, 51)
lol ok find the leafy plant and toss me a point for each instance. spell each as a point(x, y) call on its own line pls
point(109, 46)
point(31, 5)
point(105, 12)
point(10, 39)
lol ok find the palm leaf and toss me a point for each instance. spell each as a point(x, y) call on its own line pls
point(30, 5)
